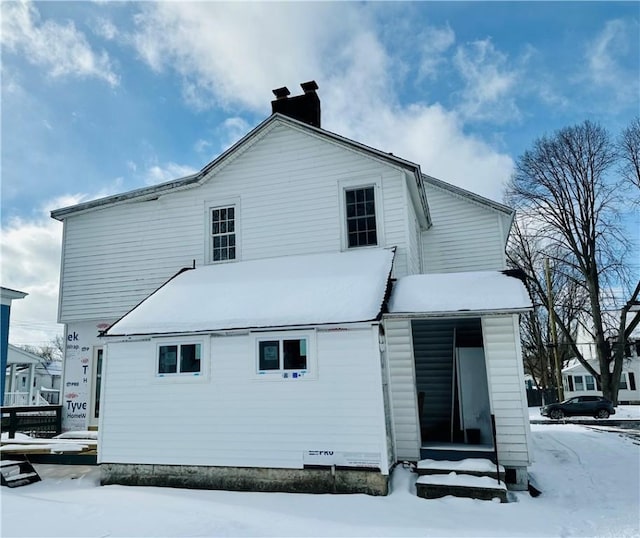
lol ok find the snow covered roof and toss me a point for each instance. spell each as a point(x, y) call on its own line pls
point(277, 292)
point(482, 291)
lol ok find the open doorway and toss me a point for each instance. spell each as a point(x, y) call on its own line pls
point(451, 382)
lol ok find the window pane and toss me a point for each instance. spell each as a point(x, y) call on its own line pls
point(232, 253)
point(168, 359)
point(578, 381)
point(295, 354)
point(190, 358)
point(269, 358)
point(231, 213)
point(216, 215)
point(590, 382)
point(99, 353)
point(361, 217)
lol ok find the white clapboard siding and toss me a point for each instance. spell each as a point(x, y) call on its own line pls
point(402, 386)
point(287, 186)
point(464, 236)
point(506, 388)
point(234, 418)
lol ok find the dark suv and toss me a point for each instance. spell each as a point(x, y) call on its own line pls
point(594, 406)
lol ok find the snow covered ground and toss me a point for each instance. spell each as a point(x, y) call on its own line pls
point(589, 481)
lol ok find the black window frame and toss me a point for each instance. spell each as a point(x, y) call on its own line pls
point(223, 227)
point(361, 218)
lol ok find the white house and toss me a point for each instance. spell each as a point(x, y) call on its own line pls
point(578, 382)
point(301, 314)
point(30, 379)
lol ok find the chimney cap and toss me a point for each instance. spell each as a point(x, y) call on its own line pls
point(281, 93)
point(309, 87)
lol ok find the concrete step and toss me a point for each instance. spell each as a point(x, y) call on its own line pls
point(469, 466)
point(461, 485)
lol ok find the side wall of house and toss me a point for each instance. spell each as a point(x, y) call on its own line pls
point(464, 236)
point(402, 384)
point(233, 417)
point(287, 188)
point(506, 388)
point(77, 395)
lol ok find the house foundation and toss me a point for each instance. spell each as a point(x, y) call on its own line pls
point(307, 480)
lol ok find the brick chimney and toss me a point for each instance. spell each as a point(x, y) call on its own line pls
point(305, 107)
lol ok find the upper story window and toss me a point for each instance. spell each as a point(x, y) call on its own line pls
point(360, 205)
point(223, 233)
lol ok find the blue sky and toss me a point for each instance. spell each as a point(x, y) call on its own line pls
point(104, 97)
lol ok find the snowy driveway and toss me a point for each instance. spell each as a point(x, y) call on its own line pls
point(589, 480)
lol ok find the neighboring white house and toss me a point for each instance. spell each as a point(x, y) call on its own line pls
point(301, 314)
point(578, 382)
point(30, 379)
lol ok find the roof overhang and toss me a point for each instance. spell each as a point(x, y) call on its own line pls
point(285, 292)
point(458, 295)
point(7, 295)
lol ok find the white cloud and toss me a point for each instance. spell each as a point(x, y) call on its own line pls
point(489, 82)
point(105, 28)
point(434, 43)
point(61, 49)
point(227, 56)
point(167, 172)
point(606, 55)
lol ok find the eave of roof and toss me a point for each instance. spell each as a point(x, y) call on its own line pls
point(501, 208)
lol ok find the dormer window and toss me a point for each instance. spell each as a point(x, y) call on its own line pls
point(361, 217)
point(223, 233)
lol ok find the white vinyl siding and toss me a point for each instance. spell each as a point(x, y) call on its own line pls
point(506, 388)
point(402, 384)
point(287, 183)
point(235, 419)
point(464, 235)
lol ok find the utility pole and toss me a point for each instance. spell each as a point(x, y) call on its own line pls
point(554, 335)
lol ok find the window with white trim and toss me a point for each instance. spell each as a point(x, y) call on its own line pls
point(590, 382)
point(577, 379)
point(360, 212)
point(285, 356)
point(179, 359)
point(223, 233)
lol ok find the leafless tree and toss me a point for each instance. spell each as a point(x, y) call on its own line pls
point(629, 150)
point(51, 351)
point(525, 252)
point(566, 191)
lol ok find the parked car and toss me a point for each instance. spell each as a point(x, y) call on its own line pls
point(595, 406)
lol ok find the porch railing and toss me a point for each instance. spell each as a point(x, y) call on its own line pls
point(16, 398)
point(38, 421)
